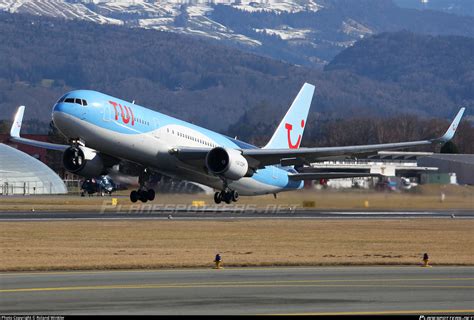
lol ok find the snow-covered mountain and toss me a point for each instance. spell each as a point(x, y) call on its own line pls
point(194, 18)
point(162, 15)
point(307, 32)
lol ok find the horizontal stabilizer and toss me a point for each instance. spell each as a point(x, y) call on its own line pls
point(15, 134)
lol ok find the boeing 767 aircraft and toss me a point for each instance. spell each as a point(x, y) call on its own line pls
point(103, 130)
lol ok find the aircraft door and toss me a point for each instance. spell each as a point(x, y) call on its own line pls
point(107, 113)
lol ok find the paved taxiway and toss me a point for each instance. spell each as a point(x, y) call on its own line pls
point(231, 213)
point(379, 290)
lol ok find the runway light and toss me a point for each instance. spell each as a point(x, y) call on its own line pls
point(218, 261)
point(426, 259)
point(366, 203)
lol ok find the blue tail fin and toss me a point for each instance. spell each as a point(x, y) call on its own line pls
point(289, 133)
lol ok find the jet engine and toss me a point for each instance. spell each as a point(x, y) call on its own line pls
point(228, 163)
point(83, 161)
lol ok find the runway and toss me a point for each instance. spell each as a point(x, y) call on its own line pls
point(147, 213)
point(298, 290)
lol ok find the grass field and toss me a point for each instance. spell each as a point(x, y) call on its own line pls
point(69, 245)
point(66, 245)
point(422, 198)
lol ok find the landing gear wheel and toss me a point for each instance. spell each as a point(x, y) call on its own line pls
point(134, 196)
point(143, 195)
point(217, 197)
point(227, 197)
point(151, 194)
point(234, 195)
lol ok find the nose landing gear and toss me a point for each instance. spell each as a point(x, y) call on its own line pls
point(227, 196)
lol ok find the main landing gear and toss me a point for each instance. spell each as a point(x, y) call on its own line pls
point(143, 194)
point(227, 196)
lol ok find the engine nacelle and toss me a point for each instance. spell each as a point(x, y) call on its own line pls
point(228, 163)
point(83, 161)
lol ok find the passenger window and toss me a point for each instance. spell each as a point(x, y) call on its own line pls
point(69, 100)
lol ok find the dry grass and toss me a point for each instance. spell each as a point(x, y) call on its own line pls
point(65, 245)
point(422, 198)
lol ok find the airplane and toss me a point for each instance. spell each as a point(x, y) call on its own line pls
point(103, 130)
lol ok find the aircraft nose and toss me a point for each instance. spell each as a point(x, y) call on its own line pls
point(58, 107)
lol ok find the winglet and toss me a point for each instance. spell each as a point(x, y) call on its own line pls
point(452, 128)
point(16, 126)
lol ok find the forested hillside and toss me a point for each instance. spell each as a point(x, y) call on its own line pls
point(204, 82)
point(439, 68)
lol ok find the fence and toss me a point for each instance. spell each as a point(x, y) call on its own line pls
point(27, 188)
point(38, 187)
point(73, 186)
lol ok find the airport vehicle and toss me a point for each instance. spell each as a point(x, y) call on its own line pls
point(101, 185)
point(102, 130)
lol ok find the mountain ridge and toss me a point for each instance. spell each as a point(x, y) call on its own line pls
point(304, 32)
point(205, 83)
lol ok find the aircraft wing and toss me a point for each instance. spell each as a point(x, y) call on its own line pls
point(330, 175)
point(306, 155)
point(15, 134)
point(259, 158)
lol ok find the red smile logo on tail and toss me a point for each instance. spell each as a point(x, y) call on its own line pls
point(289, 127)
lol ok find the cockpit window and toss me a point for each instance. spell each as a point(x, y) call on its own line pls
point(61, 99)
point(81, 102)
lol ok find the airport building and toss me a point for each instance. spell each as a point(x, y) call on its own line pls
point(462, 165)
point(401, 169)
point(25, 175)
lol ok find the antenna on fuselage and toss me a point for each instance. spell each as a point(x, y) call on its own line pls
point(133, 102)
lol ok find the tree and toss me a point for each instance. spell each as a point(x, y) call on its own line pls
point(4, 126)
